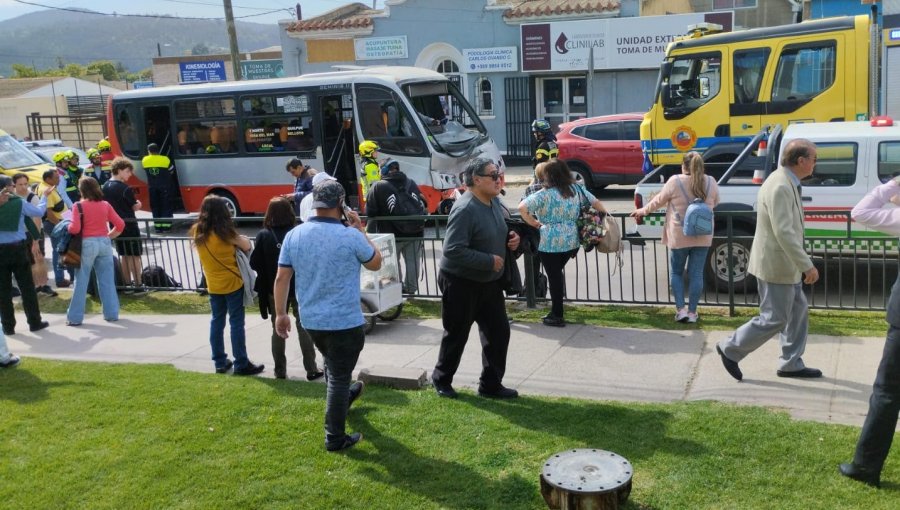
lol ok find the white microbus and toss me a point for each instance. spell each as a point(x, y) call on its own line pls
point(233, 139)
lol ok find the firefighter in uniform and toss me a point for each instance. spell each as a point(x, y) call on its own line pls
point(159, 181)
point(96, 169)
point(371, 171)
point(546, 142)
point(62, 164)
point(73, 175)
point(106, 155)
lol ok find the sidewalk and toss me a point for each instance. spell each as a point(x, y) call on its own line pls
point(578, 361)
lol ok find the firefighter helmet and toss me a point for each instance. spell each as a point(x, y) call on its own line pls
point(92, 153)
point(540, 126)
point(104, 145)
point(367, 148)
point(60, 156)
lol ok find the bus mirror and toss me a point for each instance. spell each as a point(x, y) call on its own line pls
point(704, 86)
point(666, 95)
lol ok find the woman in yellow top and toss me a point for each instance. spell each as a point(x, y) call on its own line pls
point(216, 240)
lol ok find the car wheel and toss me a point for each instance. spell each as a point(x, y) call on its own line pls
point(718, 264)
point(370, 319)
point(582, 175)
point(230, 202)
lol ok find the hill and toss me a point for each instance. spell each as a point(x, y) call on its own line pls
point(43, 39)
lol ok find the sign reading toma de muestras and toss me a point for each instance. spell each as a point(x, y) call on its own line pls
point(202, 72)
point(491, 60)
point(617, 43)
point(375, 48)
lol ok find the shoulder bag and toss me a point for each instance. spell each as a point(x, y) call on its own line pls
point(71, 253)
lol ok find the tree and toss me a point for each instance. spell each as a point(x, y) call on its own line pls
point(105, 68)
point(74, 70)
point(23, 71)
point(200, 49)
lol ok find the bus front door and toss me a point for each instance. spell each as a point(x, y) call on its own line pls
point(338, 147)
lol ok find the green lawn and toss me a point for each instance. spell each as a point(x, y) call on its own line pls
point(79, 435)
point(822, 322)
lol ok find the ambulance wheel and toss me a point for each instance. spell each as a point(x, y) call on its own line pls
point(391, 313)
point(445, 206)
point(370, 319)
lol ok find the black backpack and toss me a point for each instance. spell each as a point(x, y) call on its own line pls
point(156, 277)
point(408, 204)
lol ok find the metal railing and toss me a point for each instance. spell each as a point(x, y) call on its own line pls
point(857, 269)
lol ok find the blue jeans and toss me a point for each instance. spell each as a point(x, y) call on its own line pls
point(97, 255)
point(695, 258)
point(233, 305)
point(59, 273)
point(341, 350)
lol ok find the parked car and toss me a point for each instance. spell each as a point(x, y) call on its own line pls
point(603, 150)
point(15, 158)
point(45, 149)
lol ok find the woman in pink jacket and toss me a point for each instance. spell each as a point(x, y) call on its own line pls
point(91, 217)
point(690, 250)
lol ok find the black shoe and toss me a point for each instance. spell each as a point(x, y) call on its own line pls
point(503, 392)
point(9, 331)
point(226, 368)
point(805, 373)
point(444, 390)
point(39, 326)
point(314, 375)
point(14, 291)
point(250, 369)
point(860, 474)
point(731, 366)
point(349, 441)
point(556, 322)
point(46, 290)
point(356, 390)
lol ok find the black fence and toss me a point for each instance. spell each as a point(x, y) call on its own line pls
point(857, 270)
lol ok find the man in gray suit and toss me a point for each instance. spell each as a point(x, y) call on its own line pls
point(778, 260)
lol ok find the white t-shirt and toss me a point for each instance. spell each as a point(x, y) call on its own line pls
point(306, 208)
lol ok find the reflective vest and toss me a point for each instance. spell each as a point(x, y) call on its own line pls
point(371, 173)
point(545, 151)
point(158, 168)
point(106, 158)
point(72, 176)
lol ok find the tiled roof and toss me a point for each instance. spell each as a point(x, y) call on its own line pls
point(523, 9)
point(350, 16)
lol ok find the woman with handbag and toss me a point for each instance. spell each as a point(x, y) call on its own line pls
point(278, 221)
point(675, 196)
point(91, 217)
point(216, 240)
point(558, 206)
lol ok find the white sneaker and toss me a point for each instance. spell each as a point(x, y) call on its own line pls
point(681, 315)
point(10, 362)
point(692, 317)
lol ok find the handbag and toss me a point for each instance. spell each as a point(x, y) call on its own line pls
point(591, 227)
point(71, 257)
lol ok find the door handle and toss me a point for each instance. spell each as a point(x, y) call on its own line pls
point(746, 126)
point(806, 199)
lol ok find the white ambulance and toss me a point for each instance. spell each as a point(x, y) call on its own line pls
point(853, 157)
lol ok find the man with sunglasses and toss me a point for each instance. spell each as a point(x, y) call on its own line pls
point(471, 268)
point(779, 261)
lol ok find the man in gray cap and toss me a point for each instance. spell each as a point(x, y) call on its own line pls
point(326, 255)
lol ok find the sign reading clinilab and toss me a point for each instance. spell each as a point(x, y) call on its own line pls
point(379, 48)
point(491, 60)
point(616, 43)
point(262, 69)
point(202, 72)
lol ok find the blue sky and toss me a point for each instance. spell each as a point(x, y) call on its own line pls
point(254, 9)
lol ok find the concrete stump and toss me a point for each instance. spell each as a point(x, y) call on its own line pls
point(586, 479)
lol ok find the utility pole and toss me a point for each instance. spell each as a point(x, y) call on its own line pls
point(232, 41)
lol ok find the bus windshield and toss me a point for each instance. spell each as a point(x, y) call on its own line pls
point(15, 155)
point(452, 124)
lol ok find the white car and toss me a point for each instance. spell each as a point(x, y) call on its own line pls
point(45, 149)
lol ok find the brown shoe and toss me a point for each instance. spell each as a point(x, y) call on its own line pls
point(63, 284)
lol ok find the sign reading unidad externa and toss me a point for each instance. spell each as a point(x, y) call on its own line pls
point(491, 60)
point(376, 48)
point(617, 43)
point(202, 72)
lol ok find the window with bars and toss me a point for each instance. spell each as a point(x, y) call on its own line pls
point(484, 96)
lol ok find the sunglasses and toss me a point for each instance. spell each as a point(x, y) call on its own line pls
point(493, 175)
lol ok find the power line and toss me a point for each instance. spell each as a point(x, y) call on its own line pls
point(220, 5)
point(158, 16)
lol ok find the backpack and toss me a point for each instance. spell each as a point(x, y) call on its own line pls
point(156, 277)
point(698, 217)
point(408, 204)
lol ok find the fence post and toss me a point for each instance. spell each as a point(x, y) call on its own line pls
point(729, 231)
point(530, 298)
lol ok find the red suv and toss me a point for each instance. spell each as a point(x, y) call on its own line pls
point(604, 150)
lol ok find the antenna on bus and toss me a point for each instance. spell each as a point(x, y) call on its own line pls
point(348, 67)
point(700, 29)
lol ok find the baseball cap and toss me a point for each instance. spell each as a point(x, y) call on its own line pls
point(321, 177)
point(328, 194)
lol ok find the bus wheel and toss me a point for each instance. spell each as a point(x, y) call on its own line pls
point(445, 206)
point(230, 202)
point(717, 265)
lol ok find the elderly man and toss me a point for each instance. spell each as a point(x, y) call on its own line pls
point(15, 253)
point(778, 260)
point(326, 256)
point(470, 271)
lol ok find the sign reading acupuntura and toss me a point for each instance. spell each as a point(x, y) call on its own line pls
point(491, 60)
point(617, 43)
point(378, 48)
point(202, 72)
point(262, 69)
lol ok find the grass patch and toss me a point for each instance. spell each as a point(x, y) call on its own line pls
point(822, 322)
point(79, 435)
